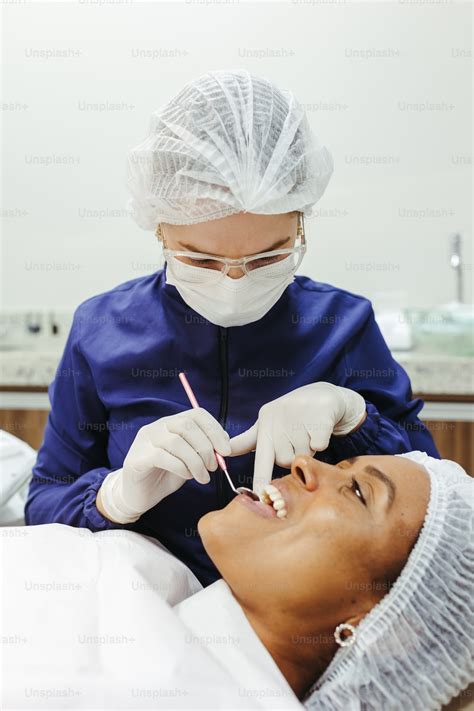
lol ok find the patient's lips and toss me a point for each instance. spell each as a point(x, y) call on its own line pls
point(257, 507)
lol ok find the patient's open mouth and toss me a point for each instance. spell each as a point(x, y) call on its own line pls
point(258, 507)
point(272, 503)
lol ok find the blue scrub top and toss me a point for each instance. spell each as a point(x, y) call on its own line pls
point(119, 371)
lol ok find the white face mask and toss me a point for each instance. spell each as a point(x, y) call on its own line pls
point(230, 302)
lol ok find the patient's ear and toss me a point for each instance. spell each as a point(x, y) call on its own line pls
point(364, 604)
point(356, 619)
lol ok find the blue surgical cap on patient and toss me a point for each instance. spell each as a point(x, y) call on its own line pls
point(414, 650)
point(228, 142)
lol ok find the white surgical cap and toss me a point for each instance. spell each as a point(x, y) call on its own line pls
point(228, 142)
point(414, 650)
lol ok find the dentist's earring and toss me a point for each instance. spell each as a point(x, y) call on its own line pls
point(345, 641)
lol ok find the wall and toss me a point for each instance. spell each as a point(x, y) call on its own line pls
point(386, 87)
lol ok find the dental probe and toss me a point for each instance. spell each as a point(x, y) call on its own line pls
point(219, 457)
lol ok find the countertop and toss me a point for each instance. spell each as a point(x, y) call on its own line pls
point(433, 374)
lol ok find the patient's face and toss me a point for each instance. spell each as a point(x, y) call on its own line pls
point(347, 526)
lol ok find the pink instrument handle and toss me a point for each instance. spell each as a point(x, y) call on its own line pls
point(195, 404)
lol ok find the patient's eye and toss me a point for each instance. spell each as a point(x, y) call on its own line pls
point(358, 491)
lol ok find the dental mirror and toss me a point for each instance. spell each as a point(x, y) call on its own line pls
point(248, 492)
point(243, 490)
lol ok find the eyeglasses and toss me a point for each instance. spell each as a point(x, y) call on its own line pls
point(215, 267)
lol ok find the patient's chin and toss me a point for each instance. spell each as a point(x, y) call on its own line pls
point(209, 527)
point(219, 529)
point(203, 523)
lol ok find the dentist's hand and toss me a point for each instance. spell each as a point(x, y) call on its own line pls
point(300, 422)
point(163, 456)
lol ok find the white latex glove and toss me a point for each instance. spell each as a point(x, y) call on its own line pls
point(300, 422)
point(163, 456)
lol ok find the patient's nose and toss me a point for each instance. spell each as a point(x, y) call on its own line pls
point(311, 472)
point(304, 470)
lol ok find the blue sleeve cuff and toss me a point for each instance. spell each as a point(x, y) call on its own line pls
point(90, 510)
point(360, 442)
point(377, 435)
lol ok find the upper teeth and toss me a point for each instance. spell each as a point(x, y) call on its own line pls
point(271, 495)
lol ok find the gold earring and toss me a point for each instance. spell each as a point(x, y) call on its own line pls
point(343, 640)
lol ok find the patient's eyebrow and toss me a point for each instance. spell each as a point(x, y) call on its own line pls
point(391, 488)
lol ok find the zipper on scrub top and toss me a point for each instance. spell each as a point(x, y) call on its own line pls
point(222, 499)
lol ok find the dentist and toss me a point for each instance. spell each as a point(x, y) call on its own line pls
point(281, 365)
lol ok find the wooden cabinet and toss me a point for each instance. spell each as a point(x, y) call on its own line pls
point(28, 425)
point(454, 441)
point(450, 419)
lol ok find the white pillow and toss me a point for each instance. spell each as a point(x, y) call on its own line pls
point(16, 463)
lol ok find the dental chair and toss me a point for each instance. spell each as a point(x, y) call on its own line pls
point(16, 464)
